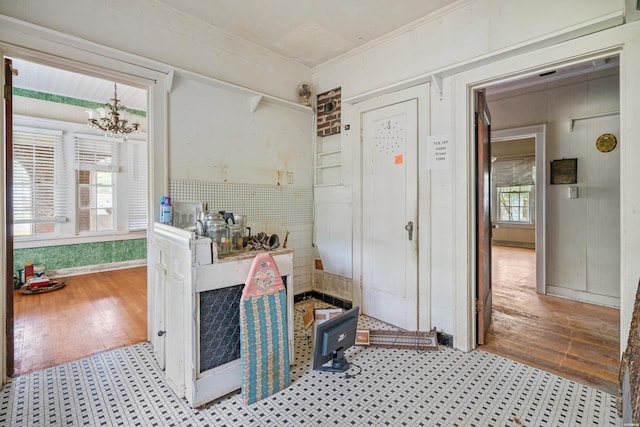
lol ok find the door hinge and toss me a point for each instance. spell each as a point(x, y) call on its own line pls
point(479, 305)
point(361, 283)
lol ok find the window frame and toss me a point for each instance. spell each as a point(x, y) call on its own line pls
point(530, 207)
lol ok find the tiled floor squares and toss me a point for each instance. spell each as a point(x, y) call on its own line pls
point(125, 387)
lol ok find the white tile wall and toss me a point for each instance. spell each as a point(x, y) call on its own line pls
point(269, 208)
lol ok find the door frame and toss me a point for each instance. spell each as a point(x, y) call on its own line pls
point(58, 49)
point(619, 41)
point(352, 111)
point(387, 305)
point(538, 133)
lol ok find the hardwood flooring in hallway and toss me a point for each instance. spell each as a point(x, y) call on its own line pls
point(572, 339)
point(92, 313)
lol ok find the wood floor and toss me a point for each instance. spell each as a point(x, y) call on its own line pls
point(575, 340)
point(92, 313)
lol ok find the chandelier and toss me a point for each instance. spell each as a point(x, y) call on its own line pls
point(111, 120)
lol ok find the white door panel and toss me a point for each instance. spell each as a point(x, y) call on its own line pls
point(389, 188)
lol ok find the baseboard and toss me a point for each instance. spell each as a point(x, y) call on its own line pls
point(329, 299)
point(97, 268)
point(514, 244)
point(582, 296)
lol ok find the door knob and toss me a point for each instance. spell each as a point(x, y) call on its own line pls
point(161, 333)
point(409, 228)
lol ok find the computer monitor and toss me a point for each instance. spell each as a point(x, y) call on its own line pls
point(333, 337)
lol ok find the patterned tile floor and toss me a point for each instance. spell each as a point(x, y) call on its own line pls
point(125, 387)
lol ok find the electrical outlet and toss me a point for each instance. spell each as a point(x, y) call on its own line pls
point(573, 192)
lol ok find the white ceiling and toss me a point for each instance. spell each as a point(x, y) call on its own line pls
point(310, 32)
point(55, 81)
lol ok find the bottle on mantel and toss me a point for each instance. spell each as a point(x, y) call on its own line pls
point(166, 211)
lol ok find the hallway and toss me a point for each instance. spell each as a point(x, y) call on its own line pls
point(572, 339)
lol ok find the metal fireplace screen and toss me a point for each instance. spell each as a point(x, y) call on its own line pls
point(219, 326)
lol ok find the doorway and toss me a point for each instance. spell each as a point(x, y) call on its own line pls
point(551, 261)
point(98, 211)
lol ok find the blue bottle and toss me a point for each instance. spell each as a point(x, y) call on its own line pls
point(161, 219)
point(166, 214)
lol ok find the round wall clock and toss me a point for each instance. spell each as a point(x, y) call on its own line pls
point(606, 142)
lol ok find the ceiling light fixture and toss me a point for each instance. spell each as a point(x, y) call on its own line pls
point(108, 118)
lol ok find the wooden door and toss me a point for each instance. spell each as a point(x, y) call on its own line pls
point(390, 212)
point(483, 233)
point(8, 202)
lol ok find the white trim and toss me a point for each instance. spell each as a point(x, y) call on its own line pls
point(538, 132)
point(26, 243)
point(576, 295)
point(97, 268)
point(256, 97)
point(622, 40)
point(573, 120)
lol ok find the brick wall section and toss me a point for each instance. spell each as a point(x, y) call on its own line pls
point(329, 119)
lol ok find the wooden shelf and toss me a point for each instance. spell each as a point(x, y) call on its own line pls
point(328, 153)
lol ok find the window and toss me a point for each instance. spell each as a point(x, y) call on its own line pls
point(97, 162)
point(39, 181)
point(514, 204)
point(73, 184)
point(514, 182)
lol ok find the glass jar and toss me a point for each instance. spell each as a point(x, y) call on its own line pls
point(219, 233)
point(236, 232)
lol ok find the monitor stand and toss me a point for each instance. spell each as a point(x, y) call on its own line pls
point(339, 363)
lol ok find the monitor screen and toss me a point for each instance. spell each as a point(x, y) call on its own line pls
point(333, 337)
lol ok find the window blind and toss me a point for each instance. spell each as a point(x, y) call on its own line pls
point(94, 153)
point(40, 184)
point(514, 172)
point(137, 181)
point(104, 154)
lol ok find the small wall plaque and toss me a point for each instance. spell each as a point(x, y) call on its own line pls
point(606, 142)
point(564, 171)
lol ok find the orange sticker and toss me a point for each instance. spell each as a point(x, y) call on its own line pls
point(399, 159)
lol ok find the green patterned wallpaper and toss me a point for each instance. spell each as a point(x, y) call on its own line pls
point(80, 255)
point(66, 100)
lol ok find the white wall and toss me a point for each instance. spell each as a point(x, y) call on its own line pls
point(582, 235)
point(477, 35)
point(214, 136)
